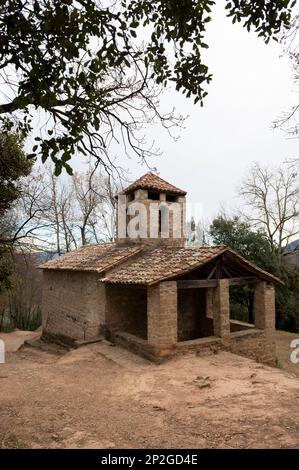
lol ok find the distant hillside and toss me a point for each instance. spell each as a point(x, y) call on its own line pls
point(291, 247)
point(292, 257)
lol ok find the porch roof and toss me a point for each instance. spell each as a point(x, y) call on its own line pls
point(145, 266)
point(93, 258)
point(155, 265)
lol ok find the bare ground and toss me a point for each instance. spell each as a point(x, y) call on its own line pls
point(100, 396)
point(283, 350)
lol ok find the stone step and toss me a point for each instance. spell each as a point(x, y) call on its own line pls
point(84, 342)
point(121, 356)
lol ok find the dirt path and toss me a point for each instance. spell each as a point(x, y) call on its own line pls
point(13, 341)
point(101, 396)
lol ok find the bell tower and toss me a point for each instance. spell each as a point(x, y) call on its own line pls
point(151, 211)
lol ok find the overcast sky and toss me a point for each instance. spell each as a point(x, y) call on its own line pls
point(252, 84)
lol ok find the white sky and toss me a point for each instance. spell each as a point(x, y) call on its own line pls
point(252, 85)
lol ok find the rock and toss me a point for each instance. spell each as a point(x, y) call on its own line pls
point(158, 408)
point(204, 385)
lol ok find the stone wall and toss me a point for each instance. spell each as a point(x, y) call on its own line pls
point(146, 221)
point(137, 345)
point(162, 316)
point(221, 309)
point(70, 305)
point(264, 306)
point(76, 306)
point(254, 344)
point(126, 310)
point(236, 325)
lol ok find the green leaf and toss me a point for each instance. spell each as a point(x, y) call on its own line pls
point(57, 170)
point(68, 168)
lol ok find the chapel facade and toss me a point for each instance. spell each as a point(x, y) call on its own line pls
point(151, 293)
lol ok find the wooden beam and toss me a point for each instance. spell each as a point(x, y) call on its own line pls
point(219, 268)
point(202, 283)
point(212, 272)
point(226, 271)
point(242, 281)
point(197, 284)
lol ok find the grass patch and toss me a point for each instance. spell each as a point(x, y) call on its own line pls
point(9, 440)
point(20, 316)
point(24, 317)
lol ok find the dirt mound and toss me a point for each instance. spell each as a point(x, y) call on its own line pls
point(101, 396)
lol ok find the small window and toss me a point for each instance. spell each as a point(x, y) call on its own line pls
point(171, 198)
point(153, 195)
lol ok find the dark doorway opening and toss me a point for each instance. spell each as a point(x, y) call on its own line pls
point(241, 307)
point(193, 322)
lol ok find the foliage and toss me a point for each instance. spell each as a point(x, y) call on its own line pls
point(24, 317)
point(287, 299)
point(21, 300)
point(91, 67)
point(9, 440)
point(14, 164)
point(5, 268)
point(255, 246)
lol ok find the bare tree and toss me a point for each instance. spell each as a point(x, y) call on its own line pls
point(54, 212)
point(94, 196)
point(288, 120)
point(67, 222)
point(60, 213)
point(87, 197)
point(272, 199)
point(104, 222)
point(25, 225)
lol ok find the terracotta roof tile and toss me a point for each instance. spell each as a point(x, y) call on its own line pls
point(93, 258)
point(152, 266)
point(162, 263)
point(145, 266)
point(152, 181)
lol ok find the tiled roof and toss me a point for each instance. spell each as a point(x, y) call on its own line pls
point(152, 181)
point(164, 263)
point(145, 266)
point(93, 258)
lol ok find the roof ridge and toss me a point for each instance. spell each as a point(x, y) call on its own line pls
point(152, 181)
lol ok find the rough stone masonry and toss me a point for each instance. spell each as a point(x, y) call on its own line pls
point(153, 294)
